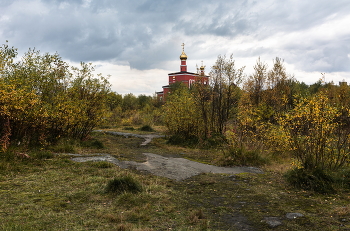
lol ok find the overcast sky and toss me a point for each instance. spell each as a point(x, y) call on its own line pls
point(138, 42)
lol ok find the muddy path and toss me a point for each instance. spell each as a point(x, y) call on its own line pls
point(169, 167)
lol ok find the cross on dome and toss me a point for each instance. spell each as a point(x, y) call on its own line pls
point(183, 55)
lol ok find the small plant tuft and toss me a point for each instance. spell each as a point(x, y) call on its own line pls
point(196, 215)
point(147, 128)
point(124, 227)
point(123, 184)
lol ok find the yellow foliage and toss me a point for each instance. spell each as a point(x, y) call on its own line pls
point(315, 133)
point(42, 100)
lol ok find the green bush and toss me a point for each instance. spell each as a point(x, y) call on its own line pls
point(316, 180)
point(182, 140)
point(122, 185)
point(342, 178)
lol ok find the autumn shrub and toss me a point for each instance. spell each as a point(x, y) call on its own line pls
point(246, 139)
point(18, 114)
point(43, 99)
point(316, 135)
point(180, 116)
point(126, 121)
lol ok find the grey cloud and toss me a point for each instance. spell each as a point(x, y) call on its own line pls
point(321, 56)
point(331, 58)
point(5, 3)
point(146, 33)
point(218, 18)
point(294, 15)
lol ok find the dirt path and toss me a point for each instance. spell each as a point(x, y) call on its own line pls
point(148, 138)
point(172, 168)
point(181, 170)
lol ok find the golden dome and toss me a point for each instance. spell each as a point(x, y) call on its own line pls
point(183, 56)
point(202, 67)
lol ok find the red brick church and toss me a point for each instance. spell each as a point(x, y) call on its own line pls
point(185, 77)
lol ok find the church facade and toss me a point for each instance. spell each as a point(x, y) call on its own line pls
point(183, 76)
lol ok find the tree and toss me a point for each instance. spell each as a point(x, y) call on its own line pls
point(225, 79)
point(180, 115)
point(144, 100)
point(130, 102)
point(114, 100)
point(280, 90)
point(257, 83)
point(90, 95)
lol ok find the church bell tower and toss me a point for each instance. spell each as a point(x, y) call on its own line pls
point(183, 58)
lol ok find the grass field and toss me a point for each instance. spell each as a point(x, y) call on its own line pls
point(51, 192)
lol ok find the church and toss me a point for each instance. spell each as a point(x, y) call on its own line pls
point(183, 76)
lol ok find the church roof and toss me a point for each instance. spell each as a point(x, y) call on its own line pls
point(183, 72)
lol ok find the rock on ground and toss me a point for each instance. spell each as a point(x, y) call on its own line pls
point(172, 168)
